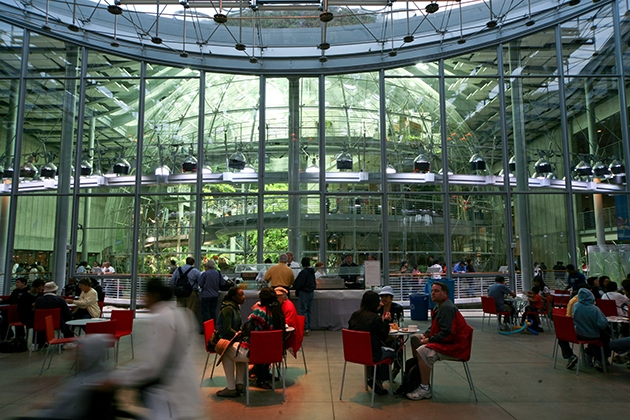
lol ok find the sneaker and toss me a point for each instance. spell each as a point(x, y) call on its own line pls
point(420, 393)
point(69, 346)
point(307, 332)
point(598, 365)
point(572, 361)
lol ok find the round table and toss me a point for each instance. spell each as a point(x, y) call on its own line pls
point(405, 336)
point(84, 322)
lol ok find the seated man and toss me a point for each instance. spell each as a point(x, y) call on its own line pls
point(445, 340)
point(87, 304)
point(50, 300)
point(26, 304)
point(497, 291)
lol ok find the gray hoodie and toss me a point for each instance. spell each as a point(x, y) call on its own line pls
point(588, 318)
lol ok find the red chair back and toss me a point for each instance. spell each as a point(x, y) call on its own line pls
point(208, 330)
point(607, 306)
point(124, 318)
point(565, 329)
point(101, 305)
point(39, 322)
point(488, 305)
point(105, 327)
point(561, 292)
point(357, 347)
point(561, 300)
point(469, 337)
point(266, 347)
point(558, 312)
point(12, 315)
point(299, 330)
point(50, 330)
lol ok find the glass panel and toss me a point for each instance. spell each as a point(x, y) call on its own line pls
point(49, 57)
point(473, 63)
point(110, 66)
point(171, 126)
point(9, 91)
point(588, 43)
point(11, 40)
point(157, 70)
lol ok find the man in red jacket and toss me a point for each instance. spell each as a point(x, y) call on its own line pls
point(447, 339)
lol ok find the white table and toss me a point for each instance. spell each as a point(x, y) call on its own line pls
point(84, 322)
point(405, 335)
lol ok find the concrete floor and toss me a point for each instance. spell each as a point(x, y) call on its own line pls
point(513, 375)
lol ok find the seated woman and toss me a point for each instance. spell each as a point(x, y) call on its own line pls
point(264, 317)
point(392, 313)
point(229, 319)
point(368, 319)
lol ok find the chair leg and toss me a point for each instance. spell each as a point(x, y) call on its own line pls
point(373, 385)
point(214, 364)
point(603, 358)
point(304, 359)
point(44, 362)
point(284, 385)
point(470, 380)
point(391, 380)
point(204, 370)
point(580, 356)
point(343, 378)
point(131, 337)
point(483, 317)
point(247, 384)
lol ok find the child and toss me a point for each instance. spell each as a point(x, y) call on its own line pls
point(535, 305)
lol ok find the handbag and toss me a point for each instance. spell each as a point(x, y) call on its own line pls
point(214, 340)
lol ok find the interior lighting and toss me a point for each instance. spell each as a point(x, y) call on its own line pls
point(49, 170)
point(237, 160)
point(390, 169)
point(542, 166)
point(477, 162)
point(344, 160)
point(86, 168)
point(248, 169)
point(421, 164)
point(432, 8)
point(121, 167)
point(189, 164)
point(583, 169)
point(600, 170)
point(313, 168)
point(512, 164)
point(28, 170)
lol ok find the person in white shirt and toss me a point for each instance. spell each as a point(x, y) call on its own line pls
point(293, 265)
point(612, 294)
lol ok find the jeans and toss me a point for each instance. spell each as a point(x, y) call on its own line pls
point(209, 308)
point(305, 301)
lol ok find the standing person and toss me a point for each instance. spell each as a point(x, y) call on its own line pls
point(33, 273)
point(191, 302)
point(82, 267)
point(87, 304)
point(305, 285)
point(260, 277)
point(293, 265)
point(349, 272)
point(210, 282)
point(99, 290)
point(320, 270)
point(470, 268)
point(172, 267)
point(574, 278)
point(368, 319)
point(110, 288)
point(280, 274)
point(166, 377)
point(446, 339)
point(498, 291)
point(265, 316)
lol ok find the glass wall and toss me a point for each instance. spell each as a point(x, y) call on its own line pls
point(499, 157)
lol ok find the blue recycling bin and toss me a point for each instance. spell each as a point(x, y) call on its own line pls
point(450, 283)
point(419, 306)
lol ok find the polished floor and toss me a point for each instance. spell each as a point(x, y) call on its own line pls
point(513, 375)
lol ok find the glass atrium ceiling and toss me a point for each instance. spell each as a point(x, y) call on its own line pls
point(288, 36)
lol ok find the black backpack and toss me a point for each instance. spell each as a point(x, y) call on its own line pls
point(411, 379)
point(183, 288)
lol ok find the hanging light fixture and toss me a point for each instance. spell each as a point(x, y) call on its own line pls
point(8, 171)
point(121, 167)
point(390, 169)
point(237, 160)
point(248, 169)
point(477, 162)
point(512, 164)
point(432, 7)
point(162, 173)
point(189, 164)
point(617, 167)
point(421, 164)
point(313, 168)
point(86, 168)
point(28, 170)
point(344, 160)
point(49, 170)
point(206, 170)
point(600, 170)
point(583, 169)
point(542, 166)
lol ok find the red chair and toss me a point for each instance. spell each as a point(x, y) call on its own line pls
point(543, 314)
point(124, 326)
point(104, 327)
point(464, 360)
point(267, 347)
point(13, 319)
point(208, 330)
point(39, 323)
point(561, 301)
point(607, 306)
point(357, 348)
point(488, 306)
point(565, 331)
point(300, 343)
point(52, 341)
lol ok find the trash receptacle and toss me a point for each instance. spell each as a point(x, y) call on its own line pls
point(418, 303)
point(450, 284)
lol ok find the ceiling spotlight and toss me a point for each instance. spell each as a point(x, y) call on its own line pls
point(240, 46)
point(73, 27)
point(530, 22)
point(115, 44)
point(206, 170)
point(617, 167)
point(324, 46)
point(461, 41)
point(326, 17)
point(492, 24)
point(323, 59)
point(114, 9)
point(121, 167)
point(542, 166)
point(432, 8)
point(409, 38)
point(189, 164)
point(163, 170)
point(237, 160)
point(393, 53)
point(28, 170)
point(183, 54)
point(313, 168)
point(253, 60)
point(600, 170)
point(583, 169)
point(344, 160)
point(156, 40)
point(49, 170)
point(477, 162)
point(574, 2)
point(421, 164)
point(220, 18)
point(86, 168)
point(512, 164)
point(46, 28)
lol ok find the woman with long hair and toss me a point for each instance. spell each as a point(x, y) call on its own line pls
point(266, 315)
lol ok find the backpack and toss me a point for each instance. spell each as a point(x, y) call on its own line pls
point(183, 288)
point(411, 378)
point(15, 345)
